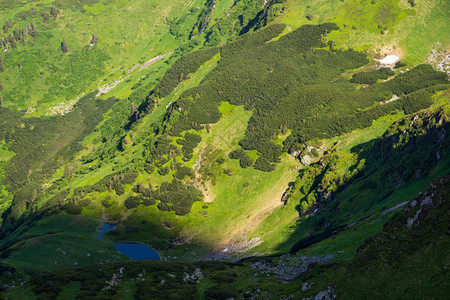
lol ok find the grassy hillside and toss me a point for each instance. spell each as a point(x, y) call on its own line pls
point(380, 27)
point(131, 42)
point(215, 130)
point(49, 76)
point(393, 253)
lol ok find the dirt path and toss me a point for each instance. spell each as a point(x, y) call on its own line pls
point(106, 88)
point(153, 60)
point(204, 188)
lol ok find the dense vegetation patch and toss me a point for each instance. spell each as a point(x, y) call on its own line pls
point(189, 142)
point(372, 77)
point(37, 141)
point(179, 71)
point(289, 84)
point(405, 154)
point(177, 197)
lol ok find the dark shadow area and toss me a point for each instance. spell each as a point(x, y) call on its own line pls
point(405, 154)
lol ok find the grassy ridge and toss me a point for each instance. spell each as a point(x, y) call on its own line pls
point(116, 52)
point(383, 27)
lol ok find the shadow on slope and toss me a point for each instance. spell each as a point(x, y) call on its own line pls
point(389, 170)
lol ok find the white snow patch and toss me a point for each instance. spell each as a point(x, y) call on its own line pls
point(389, 60)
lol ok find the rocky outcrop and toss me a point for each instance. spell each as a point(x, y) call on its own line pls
point(288, 267)
point(328, 294)
point(422, 199)
point(305, 160)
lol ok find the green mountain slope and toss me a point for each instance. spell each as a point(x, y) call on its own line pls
point(415, 236)
point(245, 141)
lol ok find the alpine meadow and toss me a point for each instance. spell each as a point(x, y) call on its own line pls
point(224, 149)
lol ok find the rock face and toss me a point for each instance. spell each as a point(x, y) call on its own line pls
point(288, 267)
point(306, 160)
point(421, 200)
point(328, 294)
point(440, 59)
point(306, 286)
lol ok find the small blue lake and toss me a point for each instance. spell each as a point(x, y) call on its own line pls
point(134, 251)
point(137, 251)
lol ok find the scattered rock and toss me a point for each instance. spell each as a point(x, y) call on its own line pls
point(394, 208)
point(328, 294)
point(305, 160)
point(422, 199)
point(306, 286)
point(288, 267)
point(195, 277)
point(440, 59)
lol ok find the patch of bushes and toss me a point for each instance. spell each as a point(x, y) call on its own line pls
point(221, 292)
point(245, 161)
point(287, 85)
point(181, 68)
point(263, 164)
point(106, 203)
point(189, 142)
point(72, 208)
point(177, 197)
point(132, 202)
point(148, 201)
point(182, 172)
point(37, 141)
point(237, 154)
point(399, 64)
point(163, 171)
point(372, 77)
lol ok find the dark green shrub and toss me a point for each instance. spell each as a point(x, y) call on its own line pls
point(263, 164)
point(149, 168)
point(181, 68)
point(182, 172)
point(106, 203)
point(163, 171)
point(399, 64)
point(165, 206)
point(85, 202)
point(189, 142)
point(372, 77)
point(221, 292)
point(132, 202)
point(148, 201)
point(245, 161)
point(118, 187)
point(72, 208)
point(237, 154)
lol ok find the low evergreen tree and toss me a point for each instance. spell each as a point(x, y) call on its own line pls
point(64, 46)
point(94, 40)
